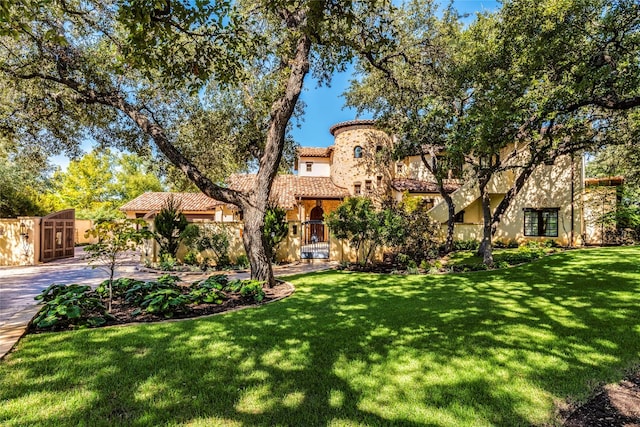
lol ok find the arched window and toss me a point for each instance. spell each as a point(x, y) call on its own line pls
point(357, 152)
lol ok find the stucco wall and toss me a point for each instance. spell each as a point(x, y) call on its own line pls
point(16, 248)
point(82, 226)
point(598, 201)
point(320, 166)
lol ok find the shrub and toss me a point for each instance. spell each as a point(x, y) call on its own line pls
point(275, 229)
point(252, 288)
point(190, 258)
point(465, 267)
point(69, 304)
point(215, 241)
point(412, 267)
point(522, 255)
point(403, 259)
point(170, 224)
point(242, 261)
point(466, 245)
point(224, 262)
point(138, 292)
point(248, 288)
point(209, 290)
point(501, 264)
point(167, 262)
point(165, 301)
point(120, 287)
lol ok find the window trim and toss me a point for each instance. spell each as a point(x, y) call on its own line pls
point(539, 216)
point(308, 166)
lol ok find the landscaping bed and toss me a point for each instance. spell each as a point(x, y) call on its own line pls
point(78, 306)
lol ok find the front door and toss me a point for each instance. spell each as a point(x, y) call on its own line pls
point(315, 239)
point(316, 226)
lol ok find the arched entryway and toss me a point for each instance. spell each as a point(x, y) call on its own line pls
point(315, 239)
point(316, 228)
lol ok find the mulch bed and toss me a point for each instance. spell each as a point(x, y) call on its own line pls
point(616, 405)
point(123, 313)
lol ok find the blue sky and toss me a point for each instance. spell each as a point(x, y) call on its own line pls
point(325, 105)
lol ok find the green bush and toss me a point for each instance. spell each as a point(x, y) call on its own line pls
point(466, 245)
point(465, 267)
point(523, 254)
point(69, 304)
point(165, 301)
point(501, 264)
point(403, 260)
point(223, 262)
point(167, 262)
point(412, 267)
point(190, 258)
point(242, 261)
point(209, 290)
point(139, 291)
point(248, 288)
point(120, 287)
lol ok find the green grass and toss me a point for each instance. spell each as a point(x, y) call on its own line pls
point(348, 349)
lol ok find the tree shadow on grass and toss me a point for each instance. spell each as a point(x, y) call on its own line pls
point(490, 348)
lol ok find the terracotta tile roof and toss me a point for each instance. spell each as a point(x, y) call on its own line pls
point(315, 151)
point(287, 188)
point(610, 181)
point(189, 202)
point(341, 125)
point(418, 186)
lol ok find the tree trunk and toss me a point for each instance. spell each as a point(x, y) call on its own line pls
point(518, 184)
point(448, 244)
point(254, 245)
point(435, 169)
point(486, 249)
point(253, 202)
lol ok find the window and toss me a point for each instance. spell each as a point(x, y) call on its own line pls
point(459, 217)
point(368, 185)
point(309, 166)
point(541, 222)
point(429, 203)
point(399, 167)
point(379, 181)
point(294, 230)
point(357, 189)
point(378, 148)
point(357, 152)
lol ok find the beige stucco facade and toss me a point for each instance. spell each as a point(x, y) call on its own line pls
point(358, 164)
point(19, 241)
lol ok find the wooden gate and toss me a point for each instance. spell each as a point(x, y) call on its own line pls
point(57, 235)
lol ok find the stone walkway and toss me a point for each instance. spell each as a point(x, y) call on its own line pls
point(19, 286)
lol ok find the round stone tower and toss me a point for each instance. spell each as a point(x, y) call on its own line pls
point(358, 160)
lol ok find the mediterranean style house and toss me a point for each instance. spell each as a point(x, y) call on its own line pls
point(555, 203)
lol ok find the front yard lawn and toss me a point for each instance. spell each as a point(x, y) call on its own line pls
point(502, 347)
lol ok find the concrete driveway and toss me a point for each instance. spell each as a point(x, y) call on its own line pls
point(20, 285)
